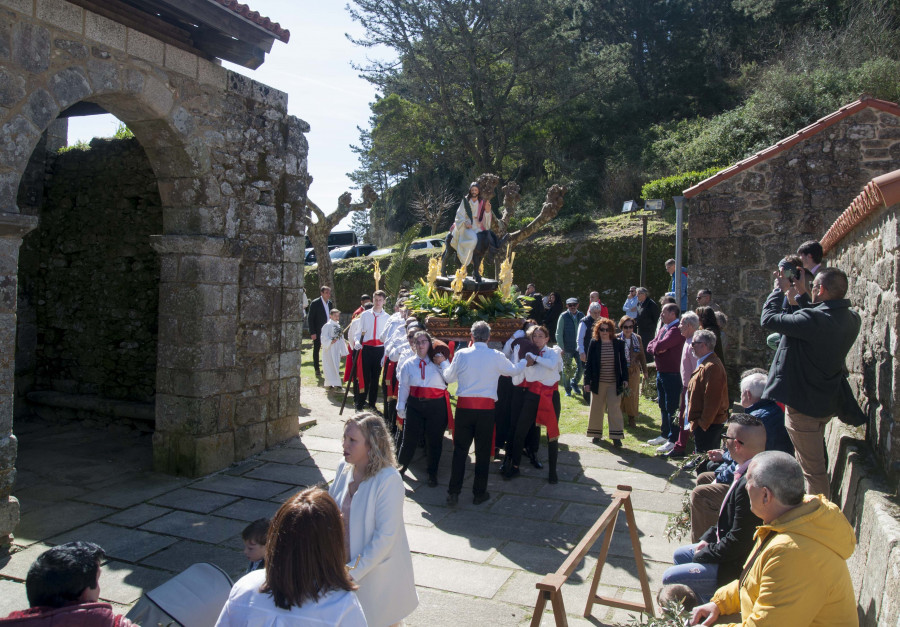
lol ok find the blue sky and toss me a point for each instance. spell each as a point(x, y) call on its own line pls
point(314, 68)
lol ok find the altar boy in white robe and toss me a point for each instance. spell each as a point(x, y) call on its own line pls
point(335, 348)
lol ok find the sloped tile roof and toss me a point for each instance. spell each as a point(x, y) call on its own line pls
point(246, 12)
point(814, 128)
point(881, 191)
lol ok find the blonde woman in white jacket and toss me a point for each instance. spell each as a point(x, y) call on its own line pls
point(369, 490)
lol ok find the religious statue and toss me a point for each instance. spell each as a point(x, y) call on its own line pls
point(471, 235)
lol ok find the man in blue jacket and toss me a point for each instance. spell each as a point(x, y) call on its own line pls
point(683, 299)
point(808, 368)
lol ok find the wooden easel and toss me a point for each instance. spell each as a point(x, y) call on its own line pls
point(550, 587)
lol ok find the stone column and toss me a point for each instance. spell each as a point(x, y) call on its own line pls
point(196, 374)
point(13, 227)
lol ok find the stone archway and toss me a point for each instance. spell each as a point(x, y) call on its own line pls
point(231, 170)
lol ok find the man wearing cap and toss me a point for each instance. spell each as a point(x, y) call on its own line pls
point(476, 369)
point(567, 339)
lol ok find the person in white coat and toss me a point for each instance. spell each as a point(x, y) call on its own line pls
point(305, 582)
point(369, 490)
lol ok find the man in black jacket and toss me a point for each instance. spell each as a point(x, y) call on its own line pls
point(720, 555)
point(319, 310)
point(808, 368)
point(648, 315)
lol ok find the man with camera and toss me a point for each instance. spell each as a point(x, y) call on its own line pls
point(808, 367)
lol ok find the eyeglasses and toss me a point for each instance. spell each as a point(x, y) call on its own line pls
point(605, 329)
point(627, 326)
point(725, 438)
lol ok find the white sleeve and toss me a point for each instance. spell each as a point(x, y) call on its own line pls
point(388, 524)
point(505, 366)
point(357, 330)
point(579, 337)
point(449, 372)
point(402, 388)
point(550, 360)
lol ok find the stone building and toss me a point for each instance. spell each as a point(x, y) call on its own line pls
point(747, 217)
point(184, 273)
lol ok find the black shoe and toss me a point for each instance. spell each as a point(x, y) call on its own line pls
point(432, 481)
point(691, 465)
point(596, 440)
point(535, 461)
point(676, 454)
point(452, 500)
point(511, 473)
point(553, 478)
point(617, 443)
point(505, 465)
point(481, 498)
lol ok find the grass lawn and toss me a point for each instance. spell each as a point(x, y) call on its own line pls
point(574, 418)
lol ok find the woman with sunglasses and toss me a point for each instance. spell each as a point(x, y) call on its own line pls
point(606, 377)
point(636, 360)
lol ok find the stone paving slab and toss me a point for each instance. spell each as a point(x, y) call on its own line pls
point(121, 543)
point(135, 490)
point(316, 443)
point(137, 515)
point(240, 486)
point(12, 597)
point(16, 565)
point(461, 577)
point(432, 541)
point(198, 501)
point(285, 455)
point(437, 607)
point(125, 583)
point(415, 513)
point(293, 475)
point(43, 523)
point(249, 510)
point(530, 507)
point(212, 529)
point(184, 553)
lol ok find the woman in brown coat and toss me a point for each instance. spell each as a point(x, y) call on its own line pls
point(637, 365)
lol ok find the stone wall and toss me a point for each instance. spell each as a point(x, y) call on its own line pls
point(740, 228)
point(88, 279)
point(231, 172)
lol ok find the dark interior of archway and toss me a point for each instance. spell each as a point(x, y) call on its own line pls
point(88, 283)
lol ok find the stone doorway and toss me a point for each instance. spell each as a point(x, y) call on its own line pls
point(87, 314)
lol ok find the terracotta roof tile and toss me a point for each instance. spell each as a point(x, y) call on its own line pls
point(246, 12)
point(814, 128)
point(881, 191)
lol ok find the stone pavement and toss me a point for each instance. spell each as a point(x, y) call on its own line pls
point(474, 565)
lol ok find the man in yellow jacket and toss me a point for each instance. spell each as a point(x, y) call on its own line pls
point(797, 572)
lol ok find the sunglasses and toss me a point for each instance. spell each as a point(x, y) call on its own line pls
point(725, 438)
point(605, 329)
point(627, 326)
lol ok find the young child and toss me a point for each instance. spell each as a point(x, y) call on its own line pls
point(335, 348)
point(254, 536)
point(677, 593)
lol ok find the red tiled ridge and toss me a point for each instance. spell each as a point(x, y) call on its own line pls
point(814, 128)
point(243, 10)
point(881, 191)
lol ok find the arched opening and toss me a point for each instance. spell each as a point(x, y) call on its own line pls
point(88, 293)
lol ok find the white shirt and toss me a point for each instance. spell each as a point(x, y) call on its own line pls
point(248, 607)
point(410, 374)
point(547, 366)
point(582, 329)
point(400, 352)
point(371, 324)
point(477, 368)
point(394, 320)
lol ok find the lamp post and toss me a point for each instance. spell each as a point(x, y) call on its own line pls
point(631, 206)
point(679, 243)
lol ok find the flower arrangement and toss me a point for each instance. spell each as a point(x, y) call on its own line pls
point(425, 302)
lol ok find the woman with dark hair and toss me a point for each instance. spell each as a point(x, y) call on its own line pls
point(606, 377)
point(709, 322)
point(424, 405)
point(370, 492)
point(555, 307)
point(636, 360)
point(539, 403)
point(305, 581)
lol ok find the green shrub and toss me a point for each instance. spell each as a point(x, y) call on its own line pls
point(674, 185)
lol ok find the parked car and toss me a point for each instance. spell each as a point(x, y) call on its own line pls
point(348, 252)
point(310, 258)
point(417, 245)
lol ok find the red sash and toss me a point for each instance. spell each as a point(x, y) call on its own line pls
point(348, 371)
point(474, 402)
point(546, 414)
point(373, 343)
point(390, 379)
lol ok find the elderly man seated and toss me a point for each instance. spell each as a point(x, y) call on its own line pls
point(719, 555)
point(797, 571)
point(768, 412)
point(63, 588)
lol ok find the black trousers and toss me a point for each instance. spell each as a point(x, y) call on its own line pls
point(503, 410)
point(478, 425)
point(317, 344)
point(709, 439)
point(526, 430)
point(428, 416)
point(371, 366)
